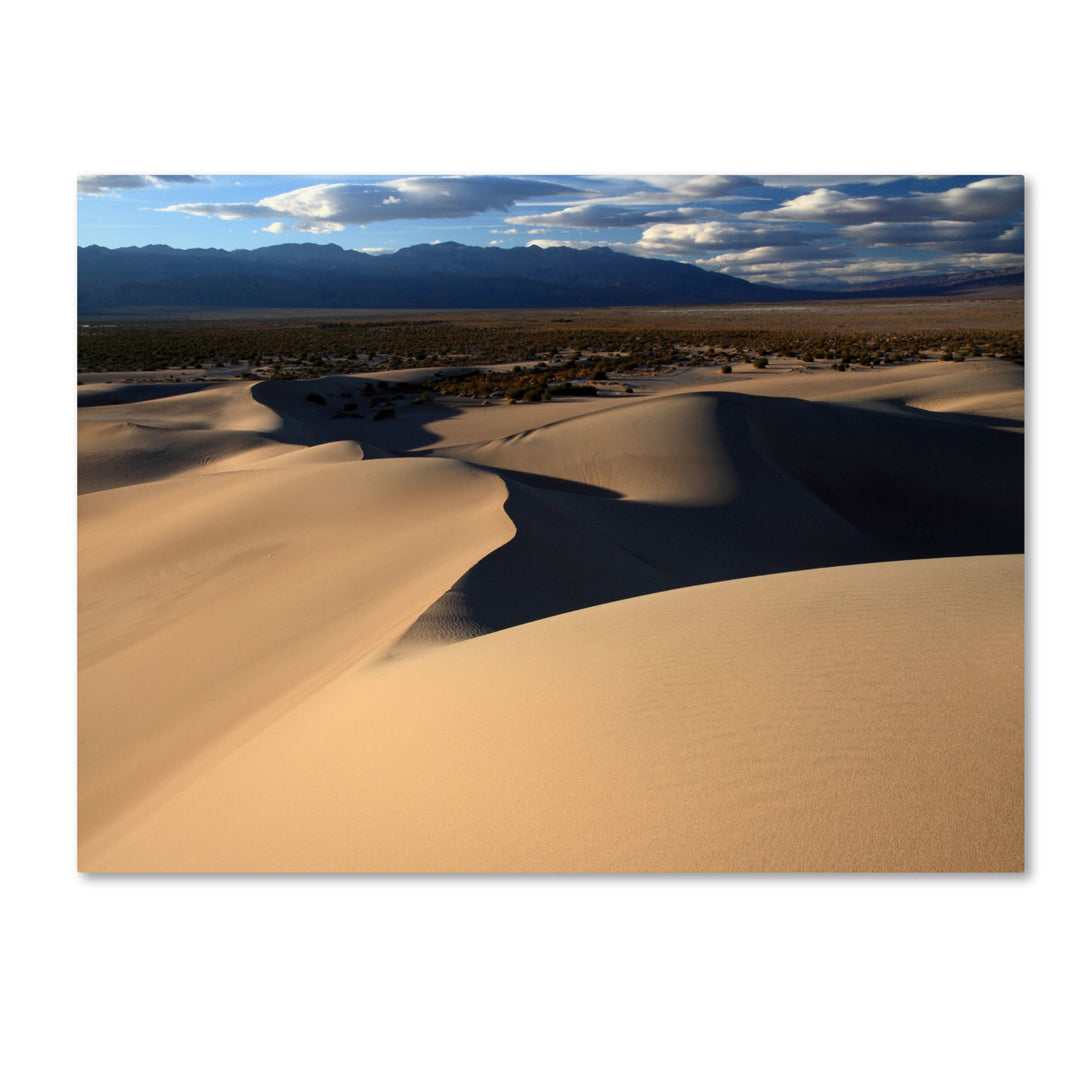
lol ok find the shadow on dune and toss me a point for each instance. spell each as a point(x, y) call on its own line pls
point(654, 494)
point(146, 432)
point(817, 485)
point(915, 412)
point(551, 483)
point(311, 424)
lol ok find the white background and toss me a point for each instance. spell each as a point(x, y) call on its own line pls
point(880, 976)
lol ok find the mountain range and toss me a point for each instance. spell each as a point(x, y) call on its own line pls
point(446, 275)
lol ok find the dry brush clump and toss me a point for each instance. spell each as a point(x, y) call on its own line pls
point(525, 384)
point(275, 346)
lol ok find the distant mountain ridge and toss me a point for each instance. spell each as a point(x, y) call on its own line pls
point(941, 284)
point(446, 275)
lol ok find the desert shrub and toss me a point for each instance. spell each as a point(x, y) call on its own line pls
point(385, 413)
point(761, 362)
point(316, 399)
point(572, 390)
point(351, 406)
point(629, 389)
point(726, 369)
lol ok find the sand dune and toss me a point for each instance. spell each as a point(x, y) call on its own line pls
point(693, 645)
point(854, 718)
point(207, 602)
point(988, 389)
point(118, 453)
point(993, 389)
point(687, 489)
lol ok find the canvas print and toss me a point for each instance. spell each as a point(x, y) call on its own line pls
point(550, 524)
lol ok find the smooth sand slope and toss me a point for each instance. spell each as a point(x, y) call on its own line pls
point(248, 563)
point(988, 390)
point(853, 718)
point(208, 603)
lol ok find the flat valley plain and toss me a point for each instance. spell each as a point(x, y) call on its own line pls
point(647, 590)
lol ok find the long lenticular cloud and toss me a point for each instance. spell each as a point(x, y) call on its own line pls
point(323, 207)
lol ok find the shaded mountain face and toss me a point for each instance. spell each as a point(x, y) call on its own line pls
point(447, 275)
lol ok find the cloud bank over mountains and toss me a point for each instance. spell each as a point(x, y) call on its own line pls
point(812, 231)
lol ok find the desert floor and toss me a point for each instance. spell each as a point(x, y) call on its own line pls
point(765, 621)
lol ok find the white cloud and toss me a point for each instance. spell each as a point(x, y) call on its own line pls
point(772, 266)
point(753, 258)
point(318, 226)
point(986, 236)
point(701, 187)
point(981, 200)
point(658, 200)
point(102, 185)
point(623, 213)
point(321, 207)
point(675, 239)
point(994, 261)
point(276, 227)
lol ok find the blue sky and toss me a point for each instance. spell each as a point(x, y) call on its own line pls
point(785, 230)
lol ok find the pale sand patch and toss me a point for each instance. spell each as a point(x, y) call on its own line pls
point(845, 719)
point(666, 451)
point(208, 603)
